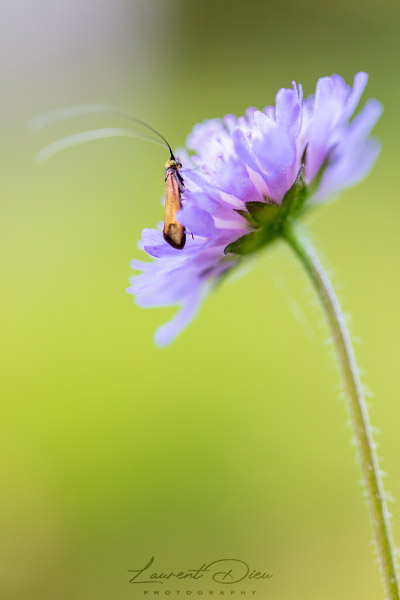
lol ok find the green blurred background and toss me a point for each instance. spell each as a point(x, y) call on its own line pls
point(232, 441)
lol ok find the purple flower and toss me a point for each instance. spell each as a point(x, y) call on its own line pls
point(247, 177)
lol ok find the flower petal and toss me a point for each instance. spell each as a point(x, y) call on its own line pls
point(233, 178)
point(166, 334)
point(288, 111)
point(197, 221)
point(273, 150)
point(359, 83)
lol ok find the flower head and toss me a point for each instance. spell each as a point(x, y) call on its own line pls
point(251, 176)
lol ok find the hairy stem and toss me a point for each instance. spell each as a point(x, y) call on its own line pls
point(358, 410)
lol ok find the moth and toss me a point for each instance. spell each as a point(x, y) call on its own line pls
point(173, 232)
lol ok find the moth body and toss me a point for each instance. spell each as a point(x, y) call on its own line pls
point(174, 232)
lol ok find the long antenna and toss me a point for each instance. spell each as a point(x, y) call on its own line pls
point(62, 114)
point(156, 132)
point(88, 136)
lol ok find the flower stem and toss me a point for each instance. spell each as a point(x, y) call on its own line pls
point(358, 410)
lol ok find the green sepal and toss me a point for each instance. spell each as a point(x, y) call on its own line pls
point(293, 201)
point(246, 215)
point(262, 213)
point(268, 219)
point(252, 242)
point(259, 213)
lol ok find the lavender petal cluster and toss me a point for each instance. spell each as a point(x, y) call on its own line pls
point(252, 161)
